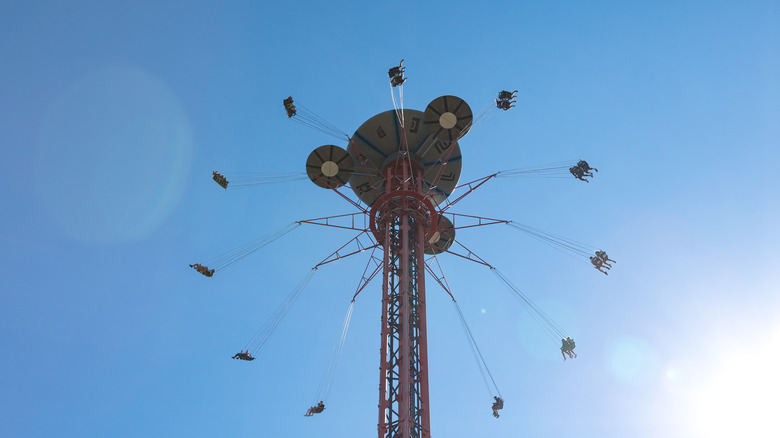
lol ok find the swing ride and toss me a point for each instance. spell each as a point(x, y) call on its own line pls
point(403, 166)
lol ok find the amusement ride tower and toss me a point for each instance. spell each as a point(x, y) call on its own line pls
point(403, 164)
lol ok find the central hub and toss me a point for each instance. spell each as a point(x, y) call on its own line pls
point(329, 169)
point(448, 120)
point(398, 203)
point(382, 138)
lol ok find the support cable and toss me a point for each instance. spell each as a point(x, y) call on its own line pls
point(552, 328)
point(399, 109)
point(558, 169)
point(306, 117)
point(554, 331)
point(248, 179)
point(230, 257)
point(481, 363)
point(570, 247)
point(487, 113)
point(403, 147)
point(323, 390)
point(260, 338)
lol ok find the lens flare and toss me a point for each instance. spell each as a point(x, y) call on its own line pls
point(113, 155)
point(632, 360)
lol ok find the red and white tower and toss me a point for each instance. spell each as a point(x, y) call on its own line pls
point(403, 164)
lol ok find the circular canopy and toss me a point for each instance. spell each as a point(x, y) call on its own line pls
point(448, 118)
point(441, 239)
point(329, 166)
point(380, 140)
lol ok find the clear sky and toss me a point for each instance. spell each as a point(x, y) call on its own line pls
point(114, 114)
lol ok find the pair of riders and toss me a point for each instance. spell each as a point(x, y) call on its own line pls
point(202, 269)
point(397, 74)
point(505, 99)
point(568, 348)
point(601, 261)
point(581, 170)
point(497, 405)
point(318, 408)
point(289, 107)
point(243, 355)
point(221, 180)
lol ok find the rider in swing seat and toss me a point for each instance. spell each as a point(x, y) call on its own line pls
point(497, 405)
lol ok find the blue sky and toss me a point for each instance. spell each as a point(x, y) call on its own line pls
point(113, 117)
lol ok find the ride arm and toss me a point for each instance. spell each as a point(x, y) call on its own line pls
point(365, 281)
point(441, 280)
point(470, 255)
point(478, 221)
point(337, 255)
point(348, 218)
point(473, 185)
point(346, 198)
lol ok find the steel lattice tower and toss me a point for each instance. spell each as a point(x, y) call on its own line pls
point(404, 219)
point(403, 164)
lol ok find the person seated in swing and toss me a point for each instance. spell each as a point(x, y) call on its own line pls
point(289, 107)
point(205, 271)
point(504, 104)
point(582, 164)
point(578, 173)
point(221, 180)
point(202, 269)
point(568, 348)
point(498, 404)
point(243, 355)
point(397, 71)
point(598, 264)
point(506, 95)
point(397, 80)
point(572, 345)
point(317, 409)
point(604, 258)
point(586, 174)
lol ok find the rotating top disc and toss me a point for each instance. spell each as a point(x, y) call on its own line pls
point(329, 166)
point(448, 118)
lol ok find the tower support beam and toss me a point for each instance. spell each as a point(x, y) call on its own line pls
point(403, 221)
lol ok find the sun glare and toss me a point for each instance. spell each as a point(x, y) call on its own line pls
point(740, 398)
